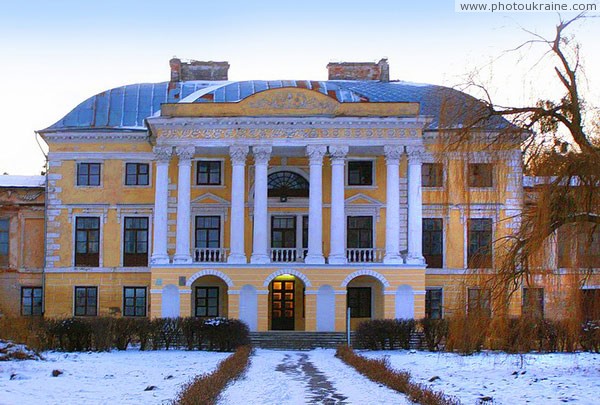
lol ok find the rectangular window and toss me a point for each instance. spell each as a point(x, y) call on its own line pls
point(137, 174)
point(432, 175)
point(88, 174)
point(283, 232)
point(433, 236)
point(207, 301)
point(134, 301)
point(4, 241)
point(208, 173)
point(433, 303)
point(590, 304)
point(208, 236)
point(533, 302)
point(480, 175)
point(360, 232)
point(479, 243)
point(479, 302)
point(360, 173)
point(31, 301)
point(86, 301)
point(87, 241)
point(359, 302)
point(305, 232)
point(578, 245)
point(135, 245)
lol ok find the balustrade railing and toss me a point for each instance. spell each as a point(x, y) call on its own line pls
point(288, 255)
point(210, 255)
point(364, 255)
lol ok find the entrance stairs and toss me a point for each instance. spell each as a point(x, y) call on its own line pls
point(297, 340)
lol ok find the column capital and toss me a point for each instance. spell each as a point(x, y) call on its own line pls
point(238, 154)
point(185, 152)
point(162, 153)
point(393, 153)
point(315, 153)
point(262, 154)
point(338, 152)
point(415, 153)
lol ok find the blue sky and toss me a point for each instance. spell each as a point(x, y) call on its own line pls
point(57, 53)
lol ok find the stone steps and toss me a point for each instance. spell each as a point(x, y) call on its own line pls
point(297, 340)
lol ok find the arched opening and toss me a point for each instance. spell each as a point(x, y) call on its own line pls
point(286, 303)
point(285, 183)
point(365, 299)
point(209, 297)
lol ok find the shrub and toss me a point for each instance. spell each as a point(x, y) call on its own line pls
point(143, 331)
point(379, 371)
point(206, 388)
point(191, 331)
point(467, 334)
point(123, 331)
point(590, 336)
point(381, 334)
point(101, 330)
point(435, 332)
point(224, 334)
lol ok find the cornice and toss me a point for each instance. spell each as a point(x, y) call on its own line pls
point(140, 135)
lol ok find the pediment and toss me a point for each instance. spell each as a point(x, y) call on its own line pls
point(210, 199)
point(363, 200)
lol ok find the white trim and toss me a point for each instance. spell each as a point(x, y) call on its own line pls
point(292, 272)
point(101, 221)
point(156, 291)
point(132, 134)
point(138, 162)
point(123, 301)
point(89, 161)
point(81, 270)
point(143, 157)
point(373, 160)
point(443, 303)
point(215, 212)
point(121, 220)
point(198, 159)
point(210, 272)
point(359, 273)
point(97, 300)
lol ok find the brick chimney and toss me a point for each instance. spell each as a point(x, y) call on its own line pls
point(197, 70)
point(359, 71)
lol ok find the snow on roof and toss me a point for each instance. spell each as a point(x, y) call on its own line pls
point(22, 181)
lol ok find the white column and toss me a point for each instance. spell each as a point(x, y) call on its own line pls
point(182, 250)
point(260, 254)
point(337, 234)
point(162, 156)
point(315, 155)
point(415, 206)
point(392, 208)
point(238, 191)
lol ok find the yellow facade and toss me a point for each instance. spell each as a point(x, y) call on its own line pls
point(94, 171)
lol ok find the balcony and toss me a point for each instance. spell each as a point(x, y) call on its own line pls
point(365, 255)
point(210, 255)
point(288, 255)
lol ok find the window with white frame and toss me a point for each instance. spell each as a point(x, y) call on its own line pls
point(88, 174)
point(360, 173)
point(86, 301)
point(137, 174)
point(87, 241)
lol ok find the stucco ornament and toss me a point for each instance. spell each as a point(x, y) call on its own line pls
point(292, 100)
point(415, 153)
point(162, 153)
point(393, 152)
point(337, 152)
point(262, 154)
point(315, 153)
point(185, 152)
point(238, 154)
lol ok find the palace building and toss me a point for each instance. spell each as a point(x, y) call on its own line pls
point(281, 203)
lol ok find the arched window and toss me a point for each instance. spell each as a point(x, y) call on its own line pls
point(287, 184)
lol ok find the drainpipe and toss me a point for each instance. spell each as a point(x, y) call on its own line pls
point(348, 326)
point(46, 167)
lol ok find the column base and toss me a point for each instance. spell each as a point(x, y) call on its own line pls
point(237, 258)
point(337, 259)
point(392, 259)
point(314, 259)
point(260, 259)
point(411, 259)
point(159, 259)
point(182, 259)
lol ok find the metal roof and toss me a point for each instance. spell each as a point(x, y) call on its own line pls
point(126, 107)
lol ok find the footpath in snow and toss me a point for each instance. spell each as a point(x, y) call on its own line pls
point(314, 377)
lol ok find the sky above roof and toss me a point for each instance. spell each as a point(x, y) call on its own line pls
point(57, 54)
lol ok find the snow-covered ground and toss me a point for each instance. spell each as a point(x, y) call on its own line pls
point(509, 379)
point(118, 377)
point(293, 377)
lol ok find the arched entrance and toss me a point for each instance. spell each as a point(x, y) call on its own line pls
point(209, 297)
point(286, 303)
point(365, 299)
